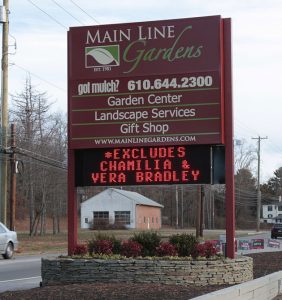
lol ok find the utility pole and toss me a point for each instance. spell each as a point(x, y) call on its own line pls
point(198, 217)
point(200, 212)
point(13, 178)
point(258, 182)
point(202, 216)
point(4, 107)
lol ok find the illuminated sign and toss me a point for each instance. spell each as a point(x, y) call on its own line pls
point(143, 166)
point(149, 83)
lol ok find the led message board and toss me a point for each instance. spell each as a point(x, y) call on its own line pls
point(147, 83)
point(143, 166)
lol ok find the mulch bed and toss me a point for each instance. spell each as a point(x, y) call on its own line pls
point(264, 263)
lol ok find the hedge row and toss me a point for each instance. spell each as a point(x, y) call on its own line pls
point(147, 244)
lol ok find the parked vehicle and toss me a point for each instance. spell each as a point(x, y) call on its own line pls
point(276, 231)
point(8, 241)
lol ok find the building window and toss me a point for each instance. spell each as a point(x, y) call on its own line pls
point(86, 220)
point(280, 208)
point(144, 220)
point(101, 217)
point(157, 220)
point(270, 216)
point(269, 207)
point(152, 219)
point(122, 217)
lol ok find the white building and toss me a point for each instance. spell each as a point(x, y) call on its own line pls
point(122, 207)
point(272, 213)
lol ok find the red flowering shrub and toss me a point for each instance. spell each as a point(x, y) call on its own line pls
point(199, 251)
point(130, 249)
point(166, 249)
point(211, 249)
point(80, 249)
point(103, 247)
point(208, 249)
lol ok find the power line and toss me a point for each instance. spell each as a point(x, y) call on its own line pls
point(33, 154)
point(59, 5)
point(42, 162)
point(252, 132)
point(245, 202)
point(38, 157)
point(276, 147)
point(33, 74)
point(84, 12)
point(55, 20)
point(38, 163)
point(239, 123)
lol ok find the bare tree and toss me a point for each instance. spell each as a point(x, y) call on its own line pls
point(244, 155)
point(41, 140)
point(245, 194)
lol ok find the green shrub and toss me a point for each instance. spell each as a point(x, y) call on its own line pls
point(149, 240)
point(184, 243)
point(116, 245)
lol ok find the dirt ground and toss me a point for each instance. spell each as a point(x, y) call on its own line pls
point(264, 263)
point(110, 291)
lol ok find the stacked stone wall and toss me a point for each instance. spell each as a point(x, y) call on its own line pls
point(200, 273)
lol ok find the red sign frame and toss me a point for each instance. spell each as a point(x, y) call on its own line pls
point(206, 51)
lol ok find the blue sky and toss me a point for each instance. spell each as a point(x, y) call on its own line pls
point(39, 29)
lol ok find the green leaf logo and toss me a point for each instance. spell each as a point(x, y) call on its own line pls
point(102, 56)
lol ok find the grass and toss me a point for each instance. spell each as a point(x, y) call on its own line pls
point(48, 243)
point(58, 243)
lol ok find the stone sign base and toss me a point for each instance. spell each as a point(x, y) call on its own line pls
point(61, 271)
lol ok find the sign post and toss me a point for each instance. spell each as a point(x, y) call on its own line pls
point(229, 146)
point(72, 204)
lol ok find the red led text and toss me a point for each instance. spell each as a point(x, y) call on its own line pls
point(145, 165)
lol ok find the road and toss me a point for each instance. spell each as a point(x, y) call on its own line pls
point(19, 273)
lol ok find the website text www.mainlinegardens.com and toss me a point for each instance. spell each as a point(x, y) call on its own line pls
point(145, 140)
